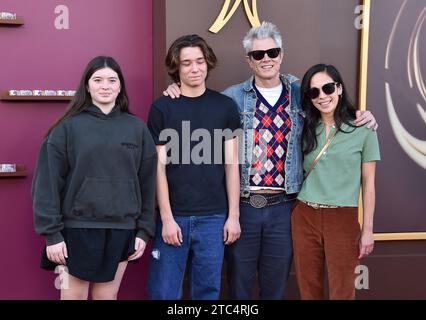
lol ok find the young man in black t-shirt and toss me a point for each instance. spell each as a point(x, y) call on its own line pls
point(197, 179)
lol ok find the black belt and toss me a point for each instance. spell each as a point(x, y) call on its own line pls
point(260, 200)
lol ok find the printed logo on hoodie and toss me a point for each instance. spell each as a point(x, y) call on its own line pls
point(129, 145)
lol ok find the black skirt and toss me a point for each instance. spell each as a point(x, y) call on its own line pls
point(94, 254)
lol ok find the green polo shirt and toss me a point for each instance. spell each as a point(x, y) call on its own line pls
point(336, 179)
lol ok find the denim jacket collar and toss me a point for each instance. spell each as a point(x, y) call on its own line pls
point(287, 79)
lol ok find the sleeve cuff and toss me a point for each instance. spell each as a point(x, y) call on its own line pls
point(54, 238)
point(143, 235)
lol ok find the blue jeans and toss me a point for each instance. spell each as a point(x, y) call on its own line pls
point(202, 250)
point(265, 249)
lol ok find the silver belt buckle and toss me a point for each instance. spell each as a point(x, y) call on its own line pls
point(258, 201)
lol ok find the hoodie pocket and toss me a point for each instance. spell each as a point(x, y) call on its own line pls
point(106, 198)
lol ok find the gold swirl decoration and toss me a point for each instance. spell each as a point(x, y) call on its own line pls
point(223, 17)
point(414, 147)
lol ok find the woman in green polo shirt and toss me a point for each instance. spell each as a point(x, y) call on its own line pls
point(339, 157)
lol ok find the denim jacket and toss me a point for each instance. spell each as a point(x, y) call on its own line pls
point(245, 97)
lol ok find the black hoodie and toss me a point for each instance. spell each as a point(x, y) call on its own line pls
point(96, 171)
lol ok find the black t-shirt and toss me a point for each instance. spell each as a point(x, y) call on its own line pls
point(194, 130)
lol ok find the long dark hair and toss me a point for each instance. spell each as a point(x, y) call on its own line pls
point(82, 99)
point(173, 54)
point(344, 113)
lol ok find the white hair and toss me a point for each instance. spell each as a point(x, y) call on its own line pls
point(264, 31)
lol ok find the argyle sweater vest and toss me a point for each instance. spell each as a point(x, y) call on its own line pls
point(272, 125)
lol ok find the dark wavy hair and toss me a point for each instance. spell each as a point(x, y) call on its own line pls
point(173, 54)
point(345, 111)
point(82, 99)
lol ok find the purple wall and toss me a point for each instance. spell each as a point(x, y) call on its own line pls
point(38, 56)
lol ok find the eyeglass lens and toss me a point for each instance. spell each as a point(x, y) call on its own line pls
point(328, 89)
point(259, 54)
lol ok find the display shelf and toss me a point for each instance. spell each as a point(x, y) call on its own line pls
point(19, 21)
point(20, 172)
point(6, 97)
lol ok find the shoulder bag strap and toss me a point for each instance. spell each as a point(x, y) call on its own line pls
point(329, 140)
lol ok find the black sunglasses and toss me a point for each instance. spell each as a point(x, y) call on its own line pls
point(328, 89)
point(259, 54)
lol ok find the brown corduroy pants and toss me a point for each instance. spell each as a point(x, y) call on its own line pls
point(325, 237)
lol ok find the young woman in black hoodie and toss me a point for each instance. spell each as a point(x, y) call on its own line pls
point(94, 186)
